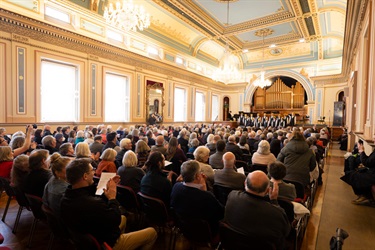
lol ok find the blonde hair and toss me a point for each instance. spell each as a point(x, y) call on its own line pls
point(130, 159)
point(141, 146)
point(82, 150)
point(58, 163)
point(5, 153)
point(109, 154)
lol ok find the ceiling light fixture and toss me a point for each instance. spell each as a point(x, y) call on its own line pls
point(262, 82)
point(127, 16)
point(228, 66)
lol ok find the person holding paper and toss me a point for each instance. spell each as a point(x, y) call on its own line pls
point(228, 176)
point(84, 212)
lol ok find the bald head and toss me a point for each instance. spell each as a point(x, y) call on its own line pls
point(159, 140)
point(257, 183)
point(229, 159)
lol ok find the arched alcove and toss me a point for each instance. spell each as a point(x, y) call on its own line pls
point(250, 88)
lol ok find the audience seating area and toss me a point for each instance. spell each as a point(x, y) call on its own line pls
point(146, 211)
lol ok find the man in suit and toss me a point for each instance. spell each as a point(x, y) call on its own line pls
point(233, 147)
point(228, 176)
point(266, 221)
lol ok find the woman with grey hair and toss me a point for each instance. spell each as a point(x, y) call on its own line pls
point(130, 174)
point(201, 155)
point(263, 154)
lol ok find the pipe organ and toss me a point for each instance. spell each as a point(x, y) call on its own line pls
point(280, 97)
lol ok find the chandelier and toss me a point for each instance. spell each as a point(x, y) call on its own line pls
point(228, 70)
point(262, 82)
point(127, 16)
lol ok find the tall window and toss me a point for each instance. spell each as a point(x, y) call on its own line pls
point(215, 108)
point(200, 106)
point(116, 98)
point(179, 104)
point(59, 98)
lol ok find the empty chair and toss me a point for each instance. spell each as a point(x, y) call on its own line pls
point(23, 204)
point(127, 198)
point(157, 215)
point(221, 193)
point(35, 203)
point(5, 186)
point(58, 229)
point(197, 231)
point(233, 240)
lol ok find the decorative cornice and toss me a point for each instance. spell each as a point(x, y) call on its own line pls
point(355, 13)
point(14, 23)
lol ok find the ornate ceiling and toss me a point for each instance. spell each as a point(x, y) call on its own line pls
point(308, 35)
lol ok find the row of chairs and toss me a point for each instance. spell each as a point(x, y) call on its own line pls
point(43, 213)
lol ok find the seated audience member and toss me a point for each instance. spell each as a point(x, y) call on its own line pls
point(243, 144)
point(159, 145)
point(56, 186)
point(201, 155)
point(20, 171)
point(80, 137)
point(38, 136)
point(130, 174)
point(298, 159)
point(263, 221)
point(277, 171)
point(211, 145)
point(72, 137)
point(82, 212)
point(89, 137)
point(232, 147)
point(59, 140)
point(193, 145)
point(125, 145)
point(155, 183)
point(276, 144)
point(251, 140)
point(97, 146)
point(142, 150)
point(263, 154)
point(39, 172)
point(182, 140)
point(47, 130)
point(107, 163)
point(364, 179)
point(4, 139)
point(6, 161)
point(228, 176)
point(66, 149)
point(190, 198)
point(175, 155)
point(25, 144)
point(111, 142)
point(216, 160)
point(49, 143)
point(82, 150)
point(150, 140)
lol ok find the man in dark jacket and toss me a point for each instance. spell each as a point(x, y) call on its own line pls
point(233, 147)
point(249, 213)
point(83, 212)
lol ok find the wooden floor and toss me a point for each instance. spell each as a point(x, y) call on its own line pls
point(332, 208)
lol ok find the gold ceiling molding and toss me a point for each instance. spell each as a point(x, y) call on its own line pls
point(38, 31)
point(226, 1)
point(264, 32)
point(166, 30)
point(278, 18)
point(356, 10)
